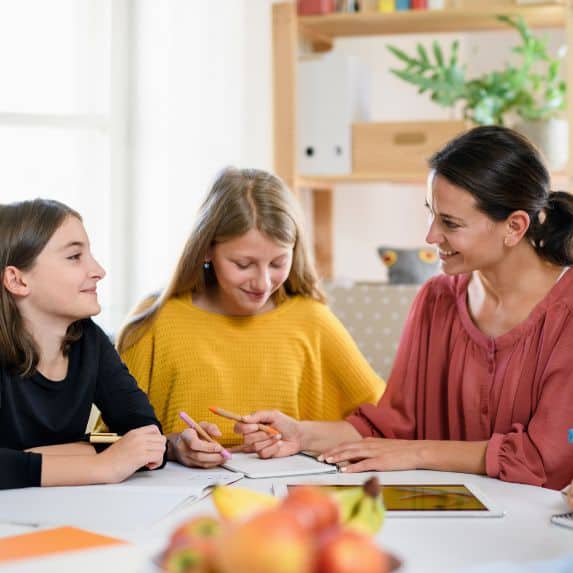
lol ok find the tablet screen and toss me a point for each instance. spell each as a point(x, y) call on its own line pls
point(416, 497)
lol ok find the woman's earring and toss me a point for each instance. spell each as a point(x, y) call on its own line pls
point(206, 265)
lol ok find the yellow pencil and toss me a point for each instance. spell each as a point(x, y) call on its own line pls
point(103, 438)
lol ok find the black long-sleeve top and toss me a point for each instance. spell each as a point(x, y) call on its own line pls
point(35, 411)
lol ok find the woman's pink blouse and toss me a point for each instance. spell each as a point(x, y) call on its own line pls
point(450, 381)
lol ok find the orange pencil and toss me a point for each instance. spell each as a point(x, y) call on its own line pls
point(238, 418)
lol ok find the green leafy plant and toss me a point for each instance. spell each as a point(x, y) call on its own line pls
point(533, 89)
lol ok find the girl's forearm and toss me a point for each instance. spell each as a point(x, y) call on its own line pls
point(72, 449)
point(72, 470)
point(322, 436)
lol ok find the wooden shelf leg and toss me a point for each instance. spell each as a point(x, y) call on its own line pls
point(285, 52)
point(323, 213)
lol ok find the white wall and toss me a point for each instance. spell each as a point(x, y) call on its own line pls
point(202, 101)
point(369, 215)
point(388, 214)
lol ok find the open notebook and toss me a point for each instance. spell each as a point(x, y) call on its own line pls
point(134, 504)
point(298, 465)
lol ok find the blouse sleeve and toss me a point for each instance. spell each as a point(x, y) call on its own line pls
point(539, 453)
point(19, 469)
point(396, 413)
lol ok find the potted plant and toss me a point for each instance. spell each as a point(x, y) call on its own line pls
point(529, 94)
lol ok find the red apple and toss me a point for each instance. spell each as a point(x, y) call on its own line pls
point(348, 552)
point(192, 545)
point(204, 528)
point(316, 510)
point(272, 540)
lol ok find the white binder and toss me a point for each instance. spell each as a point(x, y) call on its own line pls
point(333, 93)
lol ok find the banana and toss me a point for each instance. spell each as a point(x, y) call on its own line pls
point(369, 515)
point(238, 502)
point(347, 499)
point(361, 507)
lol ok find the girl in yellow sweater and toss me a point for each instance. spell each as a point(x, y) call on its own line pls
point(242, 324)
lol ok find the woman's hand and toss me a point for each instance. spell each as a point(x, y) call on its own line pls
point(375, 454)
point(287, 443)
point(143, 446)
point(189, 449)
point(570, 496)
point(381, 454)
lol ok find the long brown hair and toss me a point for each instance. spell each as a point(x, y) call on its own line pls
point(25, 229)
point(239, 200)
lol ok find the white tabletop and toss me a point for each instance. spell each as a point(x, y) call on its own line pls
point(425, 544)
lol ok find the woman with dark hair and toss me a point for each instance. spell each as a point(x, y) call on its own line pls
point(55, 362)
point(482, 381)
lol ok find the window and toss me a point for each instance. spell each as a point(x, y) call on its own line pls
point(62, 119)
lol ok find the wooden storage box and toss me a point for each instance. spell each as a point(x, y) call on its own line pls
point(399, 147)
point(312, 7)
point(471, 4)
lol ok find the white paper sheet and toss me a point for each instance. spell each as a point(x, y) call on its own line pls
point(254, 467)
point(134, 504)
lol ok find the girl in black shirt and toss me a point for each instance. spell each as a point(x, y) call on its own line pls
point(55, 362)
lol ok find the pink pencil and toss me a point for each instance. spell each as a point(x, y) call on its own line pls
point(195, 426)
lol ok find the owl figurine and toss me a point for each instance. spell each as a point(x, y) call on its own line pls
point(409, 266)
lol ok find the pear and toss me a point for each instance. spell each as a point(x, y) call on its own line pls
point(235, 503)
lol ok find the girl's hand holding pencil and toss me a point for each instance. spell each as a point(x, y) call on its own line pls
point(283, 441)
point(238, 418)
point(196, 446)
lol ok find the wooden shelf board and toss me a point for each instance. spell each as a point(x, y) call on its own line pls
point(328, 181)
point(319, 182)
point(428, 21)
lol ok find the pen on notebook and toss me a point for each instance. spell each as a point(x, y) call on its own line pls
point(193, 425)
point(232, 416)
point(22, 523)
point(102, 438)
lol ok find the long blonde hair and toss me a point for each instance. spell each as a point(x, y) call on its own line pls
point(240, 200)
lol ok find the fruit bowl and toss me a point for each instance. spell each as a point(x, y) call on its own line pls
point(156, 563)
point(395, 563)
point(311, 530)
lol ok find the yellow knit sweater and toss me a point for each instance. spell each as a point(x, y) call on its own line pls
point(297, 358)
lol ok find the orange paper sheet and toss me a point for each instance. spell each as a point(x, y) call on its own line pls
point(50, 541)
